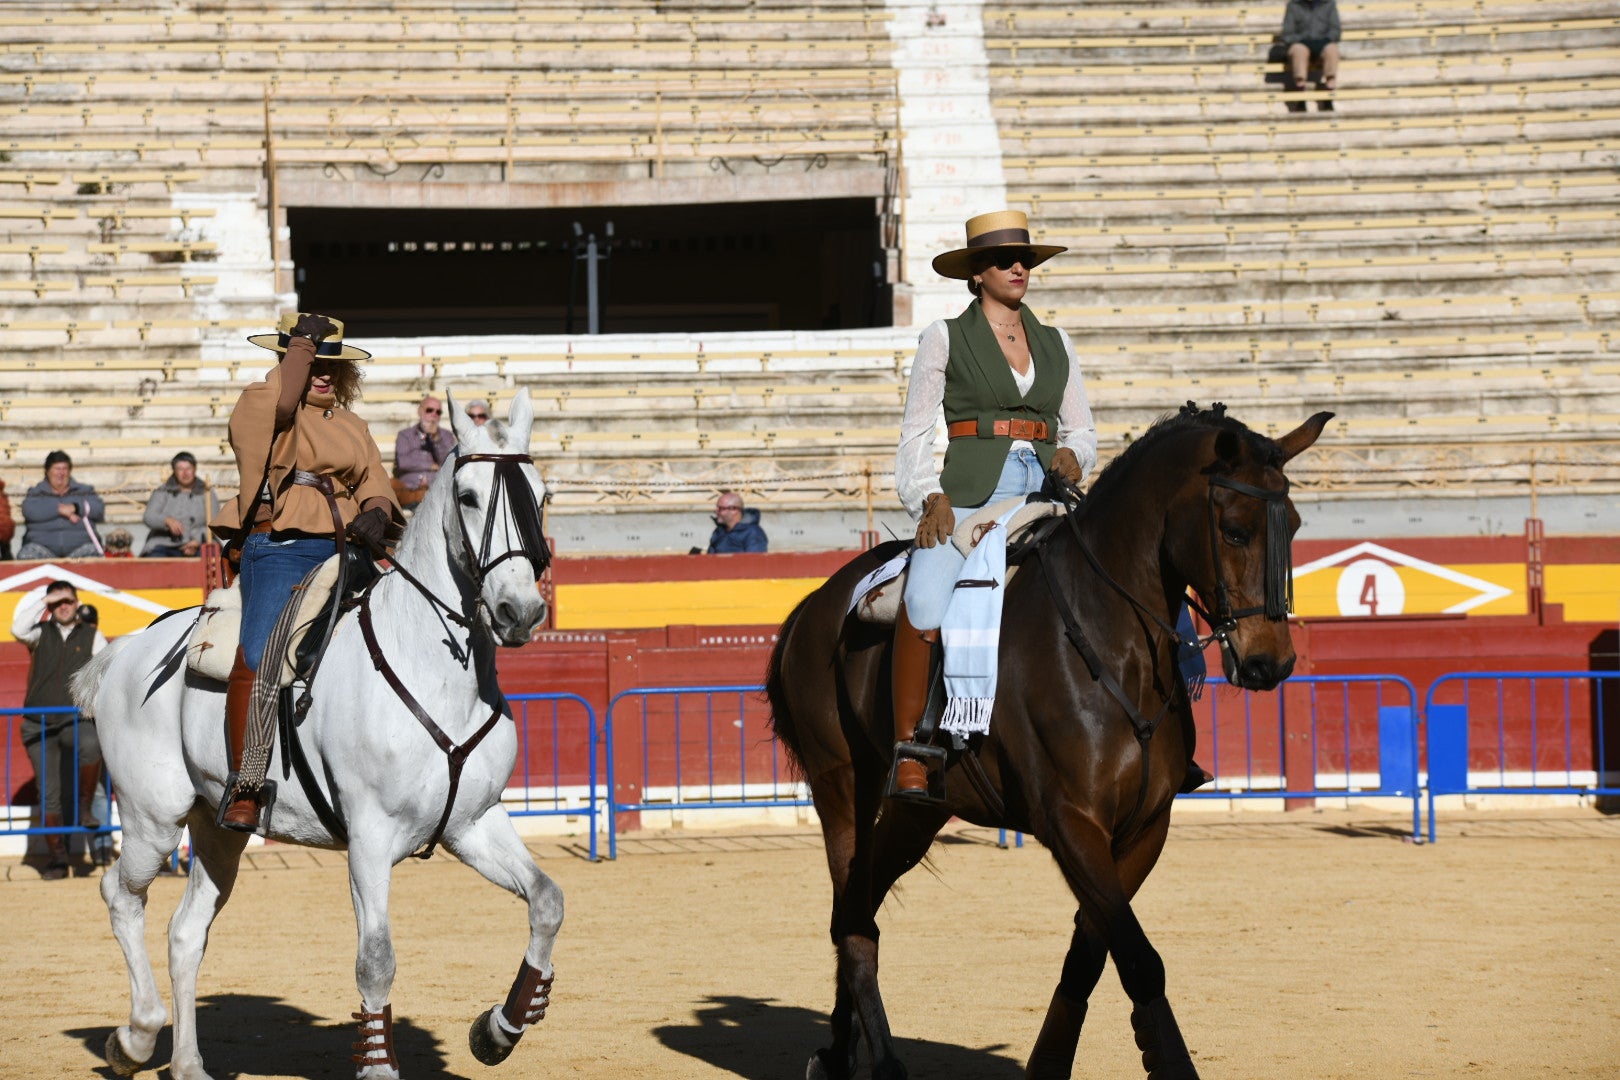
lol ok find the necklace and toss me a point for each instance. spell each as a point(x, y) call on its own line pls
point(1005, 326)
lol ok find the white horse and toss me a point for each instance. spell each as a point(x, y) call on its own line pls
point(164, 743)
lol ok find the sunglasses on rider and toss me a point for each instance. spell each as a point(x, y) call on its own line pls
point(1007, 258)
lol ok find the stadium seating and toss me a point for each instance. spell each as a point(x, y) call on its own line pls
point(1435, 259)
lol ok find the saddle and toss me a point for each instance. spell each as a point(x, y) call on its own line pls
point(212, 646)
point(881, 604)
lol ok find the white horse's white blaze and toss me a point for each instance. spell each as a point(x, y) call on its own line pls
point(165, 752)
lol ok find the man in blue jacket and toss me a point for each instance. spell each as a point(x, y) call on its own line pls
point(735, 529)
point(61, 514)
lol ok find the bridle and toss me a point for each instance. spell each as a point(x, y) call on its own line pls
point(1278, 599)
point(511, 485)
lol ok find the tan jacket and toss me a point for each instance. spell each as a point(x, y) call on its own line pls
point(331, 441)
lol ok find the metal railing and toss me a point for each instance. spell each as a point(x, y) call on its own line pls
point(1546, 757)
point(14, 718)
point(745, 772)
point(1363, 741)
point(546, 757)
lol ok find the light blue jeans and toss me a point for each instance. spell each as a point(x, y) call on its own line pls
point(931, 576)
point(270, 569)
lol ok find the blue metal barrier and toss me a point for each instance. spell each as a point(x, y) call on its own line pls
point(1395, 752)
point(729, 792)
point(1513, 696)
point(550, 727)
point(70, 806)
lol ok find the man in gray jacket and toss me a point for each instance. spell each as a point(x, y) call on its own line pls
point(179, 511)
point(1310, 33)
point(60, 514)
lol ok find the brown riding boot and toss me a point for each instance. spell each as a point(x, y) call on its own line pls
point(56, 847)
point(908, 680)
point(242, 812)
point(89, 778)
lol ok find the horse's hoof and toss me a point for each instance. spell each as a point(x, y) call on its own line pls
point(482, 1040)
point(121, 1062)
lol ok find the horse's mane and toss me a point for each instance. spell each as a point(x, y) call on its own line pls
point(1188, 418)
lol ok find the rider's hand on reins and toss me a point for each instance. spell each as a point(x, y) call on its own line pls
point(938, 521)
point(370, 528)
point(1067, 467)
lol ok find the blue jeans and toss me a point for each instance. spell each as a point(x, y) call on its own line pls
point(270, 569)
point(931, 575)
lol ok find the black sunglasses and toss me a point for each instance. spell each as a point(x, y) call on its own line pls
point(1007, 258)
point(478, 415)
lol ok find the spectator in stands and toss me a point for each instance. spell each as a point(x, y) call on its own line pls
point(735, 529)
point(48, 623)
point(478, 412)
point(1310, 33)
point(295, 439)
point(60, 514)
point(419, 450)
point(179, 511)
point(8, 527)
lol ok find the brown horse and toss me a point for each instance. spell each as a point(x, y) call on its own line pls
point(1091, 734)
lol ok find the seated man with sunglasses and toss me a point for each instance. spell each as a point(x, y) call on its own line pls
point(419, 450)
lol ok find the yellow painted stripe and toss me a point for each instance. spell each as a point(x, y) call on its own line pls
point(637, 605)
point(1589, 593)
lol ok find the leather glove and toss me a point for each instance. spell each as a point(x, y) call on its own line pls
point(314, 327)
point(937, 523)
point(1067, 467)
point(370, 528)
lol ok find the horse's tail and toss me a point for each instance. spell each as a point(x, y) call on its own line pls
point(781, 715)
point(87, 680)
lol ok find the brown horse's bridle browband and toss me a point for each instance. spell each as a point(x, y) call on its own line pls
point(532, 545)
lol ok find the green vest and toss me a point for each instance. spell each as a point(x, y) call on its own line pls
point(56, 660)
point(979, 386)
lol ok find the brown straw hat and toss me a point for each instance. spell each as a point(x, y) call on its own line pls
point(331, 347)
point(1004, 228)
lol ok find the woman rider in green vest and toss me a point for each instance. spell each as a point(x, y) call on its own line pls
point(1015, 407)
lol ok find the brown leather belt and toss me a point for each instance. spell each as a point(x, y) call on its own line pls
point(1034, 430)
point(324, 485)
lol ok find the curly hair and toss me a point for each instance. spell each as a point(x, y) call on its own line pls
point(346, 379)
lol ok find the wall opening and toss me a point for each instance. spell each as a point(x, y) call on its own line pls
point(792, 265)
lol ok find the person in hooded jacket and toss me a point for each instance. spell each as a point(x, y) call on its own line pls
point(736, 529)
point(179, 511)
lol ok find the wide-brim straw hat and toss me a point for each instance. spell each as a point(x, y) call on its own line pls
point(1004, 228)
point(331, 346)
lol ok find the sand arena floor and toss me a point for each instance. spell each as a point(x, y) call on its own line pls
point(1314, 945)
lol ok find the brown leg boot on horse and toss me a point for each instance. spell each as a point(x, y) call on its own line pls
point(910, 663)
point(242, 812)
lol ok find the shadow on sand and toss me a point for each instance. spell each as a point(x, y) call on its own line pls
point(256, 1035)
point(758, 1039)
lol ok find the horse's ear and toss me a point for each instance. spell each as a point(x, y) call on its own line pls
point(520, 420)
point(1228, 447)
point(460, 422)
point(1300, 439)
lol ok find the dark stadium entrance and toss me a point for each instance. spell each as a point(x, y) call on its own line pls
point(804, 265)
